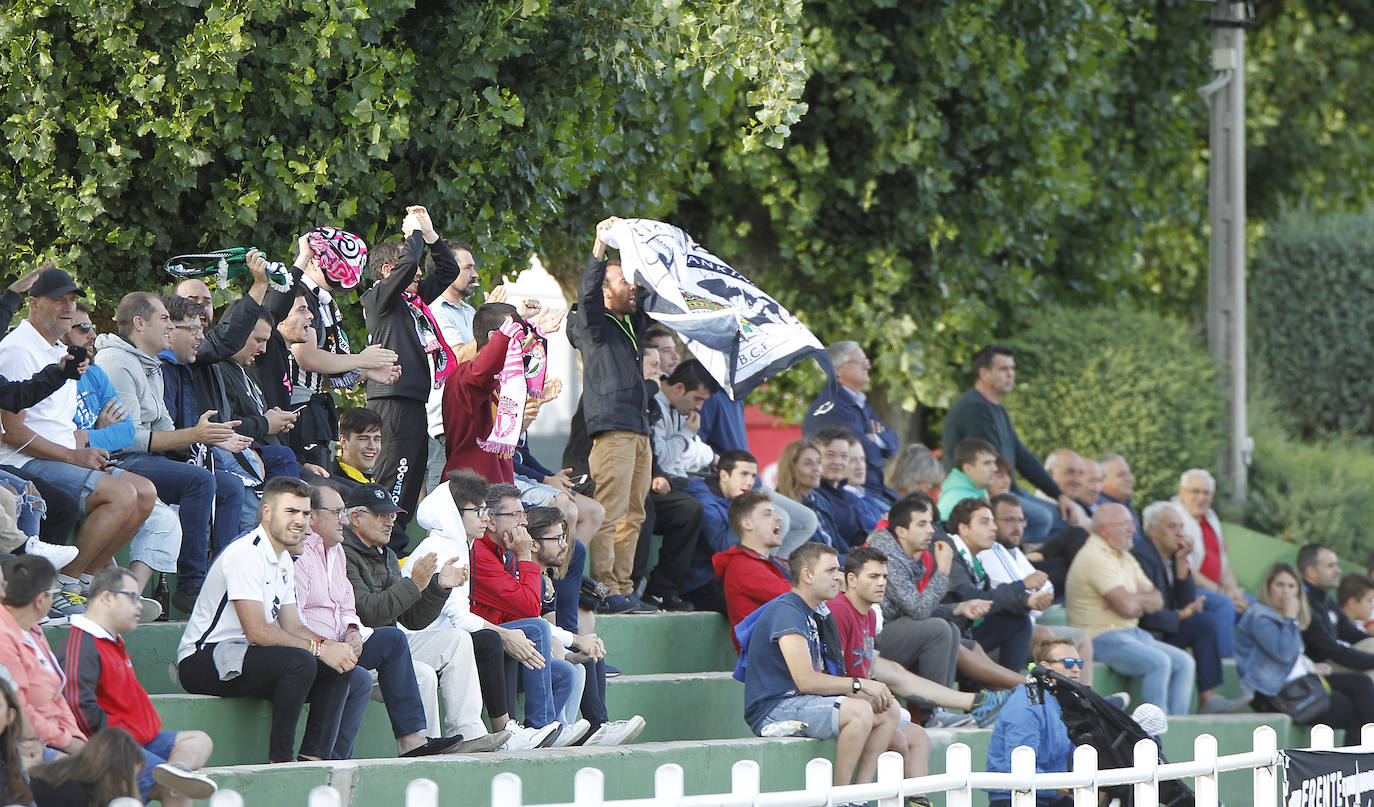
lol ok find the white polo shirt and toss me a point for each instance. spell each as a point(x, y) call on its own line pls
point(24, 352)
point(246, 570)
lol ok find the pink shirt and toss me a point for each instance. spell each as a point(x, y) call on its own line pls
point(323, 594)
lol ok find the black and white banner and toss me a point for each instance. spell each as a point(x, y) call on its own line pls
point(737, 331)
point(1327, 779)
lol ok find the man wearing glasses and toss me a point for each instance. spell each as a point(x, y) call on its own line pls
point(1036, 720)
point(384, 596)
point(175, 459)
point(102, 690)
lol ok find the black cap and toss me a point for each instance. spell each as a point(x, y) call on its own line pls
point(54, 283)
point(374, 498)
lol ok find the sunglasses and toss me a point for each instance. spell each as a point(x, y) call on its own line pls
point(1069, 663)
point(84, 327)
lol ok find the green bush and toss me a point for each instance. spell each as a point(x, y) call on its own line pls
point(1312, 491)
point(1311, 292)
point(1121, 381)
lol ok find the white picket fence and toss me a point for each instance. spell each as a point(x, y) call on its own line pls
point(957, 783)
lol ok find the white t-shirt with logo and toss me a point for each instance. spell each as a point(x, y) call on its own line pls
point(247, 569)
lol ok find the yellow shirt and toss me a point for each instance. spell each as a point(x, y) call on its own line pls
point(1097, 569)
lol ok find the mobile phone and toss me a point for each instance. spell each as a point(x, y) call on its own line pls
point(580, 479)
point(296, 409)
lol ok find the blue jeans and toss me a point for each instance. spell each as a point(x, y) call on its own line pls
point(569, 681)
point(1221, 607)
point(155, 752)
point(28, 510)
point(1167, 672)
point(387, 652)
point(540, 708)
point(192, 489)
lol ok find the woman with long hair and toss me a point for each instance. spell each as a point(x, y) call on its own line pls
point(14, 785)
point(1269, 654)
point(799, 474)
point(104, 770)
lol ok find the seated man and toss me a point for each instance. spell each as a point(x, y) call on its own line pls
point(749, 574)
point(1182, 622)
point(975, 463)
point(508, 590)
point(325, 599)
point(455, 514)
point(1118, 486)
point(243, 400)
point(584, 651)
point(843, 403)
point(1107, 593)
point(1037, 722)
point(43, 441)
point(384, 597)
point(736, 472)
point(1356, 598)
point(102, 690)
point(1006, 563)
point(920, 632)
point(1065, 466)
point(677, 447)
point(1330, 636)
point(1093, 477)
point(833, 444)
point(855, 613)
point(1208, 558)
point(792, 674)
point(1007, 626)
point(160, 451)
point(245, 619)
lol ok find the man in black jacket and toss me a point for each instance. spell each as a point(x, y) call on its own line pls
point(605, 325)
point(1182, 622)
point(1330, 636)
point(396, 310)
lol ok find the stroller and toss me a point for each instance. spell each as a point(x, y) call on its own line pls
point(1092, 720)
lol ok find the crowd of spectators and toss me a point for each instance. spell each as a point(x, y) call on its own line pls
point(871, 591)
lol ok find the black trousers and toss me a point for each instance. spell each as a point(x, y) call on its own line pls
point(59, 524)
point(496, 673)
point(710, 597)
point(677, 518)
point(286, 676)
point(405, 451)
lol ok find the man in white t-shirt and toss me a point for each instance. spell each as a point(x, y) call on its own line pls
point(245, 637)
point(43, 440)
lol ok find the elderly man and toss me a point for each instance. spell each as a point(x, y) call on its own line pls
point(1183, 622)
point(1107, 595)
point(1093, 475)
point(1118, 486)
point(1208, 556)
point(1068, 470)
point(980, 413)
point(843, 403)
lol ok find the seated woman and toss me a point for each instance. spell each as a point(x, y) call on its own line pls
point(1269, 655)
point(799, 475)
point(105, 769)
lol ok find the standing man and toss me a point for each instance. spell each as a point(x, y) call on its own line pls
point(605, 326)
point(843, 403)
point(398, 317)
point(980, 413)
point(245, 620)
point(1118, 486)
point(102, 690)
point(453, 313)
point(793, 675)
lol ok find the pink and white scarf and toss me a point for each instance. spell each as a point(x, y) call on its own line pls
point(427, 331)
point(521, 375)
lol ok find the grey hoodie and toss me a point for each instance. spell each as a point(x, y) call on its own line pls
point(137, 379)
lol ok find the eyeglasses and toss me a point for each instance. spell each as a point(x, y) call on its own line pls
point(1010, 520)
point(561, 538)
point(84, 327)
point(338, 512)
point(520, 514)
point(134, 596)
point(389, 518)
point(193, 329)
point(480, 510)
point(1069, 663)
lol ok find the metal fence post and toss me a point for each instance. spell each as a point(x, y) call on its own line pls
point(1146, 765)
point(1266, 777)
point(1023, 768)
point(589, 788)
point(959, 762)
point(1085, 761)
point(891, 772)
point(668, 785)
point(1205, 786)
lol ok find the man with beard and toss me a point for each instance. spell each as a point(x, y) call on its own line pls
point(453, 314)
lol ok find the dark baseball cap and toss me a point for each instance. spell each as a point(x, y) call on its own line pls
point(374, 498)
point(54, 283)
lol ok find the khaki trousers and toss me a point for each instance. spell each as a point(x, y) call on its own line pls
point(621, 463)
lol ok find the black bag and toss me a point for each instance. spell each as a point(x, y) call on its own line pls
point(1304, 699)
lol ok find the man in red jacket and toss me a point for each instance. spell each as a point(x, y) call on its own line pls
point(471, 396)
point(748, 571)
point(102, 690)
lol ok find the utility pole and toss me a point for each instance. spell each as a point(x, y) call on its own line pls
point(1226, 298)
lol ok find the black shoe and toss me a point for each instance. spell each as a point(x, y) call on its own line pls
point(673, 602)
point(639, 606)
point(437, 745)
point(184, 601)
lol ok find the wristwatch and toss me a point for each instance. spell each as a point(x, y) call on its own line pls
point(858, 686)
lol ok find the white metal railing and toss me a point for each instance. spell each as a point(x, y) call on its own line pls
point(957, 783)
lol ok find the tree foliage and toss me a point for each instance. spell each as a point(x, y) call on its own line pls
point(135, 131)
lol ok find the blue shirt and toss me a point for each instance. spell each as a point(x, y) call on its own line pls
point(722, 424)
point(1038, 725)
point(93, 391)
point(767, 679)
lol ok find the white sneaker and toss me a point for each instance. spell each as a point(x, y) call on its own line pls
point(58, 556)
point(180, 779)
point(617, 732)
point(523, 738)
point(152, 609)
point(570, 734)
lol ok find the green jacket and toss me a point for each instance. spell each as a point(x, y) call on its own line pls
point(957, 487)
point(382, 595)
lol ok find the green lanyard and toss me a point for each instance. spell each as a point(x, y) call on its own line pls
point(626, 329)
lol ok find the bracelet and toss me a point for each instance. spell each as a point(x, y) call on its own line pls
point(315, 648)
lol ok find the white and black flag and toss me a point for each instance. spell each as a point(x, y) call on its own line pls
point(740, 334)
point(1327, 779)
